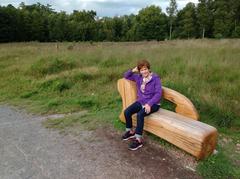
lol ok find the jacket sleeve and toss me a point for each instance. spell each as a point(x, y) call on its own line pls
point(129, 75)
point(157, 93)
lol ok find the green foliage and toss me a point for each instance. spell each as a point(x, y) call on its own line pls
point(58, 85)
point(214, 115)
point(50, 65)
point(88, 102)
point(236, 32)
point(216, 167)
point(172, 12)
point(151, 24)
point(28, 94)
point(112, 61)
point(53, 103)
point(187, 26)
point(83, 76)
point(165, 104)
point(205, 17)
point(172, 9)
point(38, 22)
point(223, 21)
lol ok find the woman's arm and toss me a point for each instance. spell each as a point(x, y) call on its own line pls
point(157, 93)
point(130, 74)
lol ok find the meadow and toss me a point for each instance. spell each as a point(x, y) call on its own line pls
point(48, 78)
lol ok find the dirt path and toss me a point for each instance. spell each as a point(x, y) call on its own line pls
point(28, 150)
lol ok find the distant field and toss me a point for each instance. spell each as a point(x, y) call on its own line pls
point(67, 77)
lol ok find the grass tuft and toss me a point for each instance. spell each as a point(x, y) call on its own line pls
point(50, 65)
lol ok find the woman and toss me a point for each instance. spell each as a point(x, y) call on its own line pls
point(149, 91)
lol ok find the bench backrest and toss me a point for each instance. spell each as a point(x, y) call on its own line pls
point(184, 106)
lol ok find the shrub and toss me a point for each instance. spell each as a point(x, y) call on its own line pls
point(218, 36)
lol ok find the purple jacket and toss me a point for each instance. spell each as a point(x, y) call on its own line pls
point(153, 89)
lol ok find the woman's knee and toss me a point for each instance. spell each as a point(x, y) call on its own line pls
point(127, 112)
point(141, 114)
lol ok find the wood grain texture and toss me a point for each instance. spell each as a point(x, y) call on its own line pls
point(183, 105)
point(179, 128)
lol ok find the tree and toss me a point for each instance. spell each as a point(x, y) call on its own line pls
point(8, 24)
point(172, 12)
point(235, 8)
point(83, 23)
point(223, 19)
point(187, 22)
point(205, 17)
point(34, 20)
point(131, 33)
point(117, 27)
point(151, 24)
point(58, 26)
point(127, 23)
point(211, 18)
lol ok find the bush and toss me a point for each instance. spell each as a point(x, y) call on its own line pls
point(236, 33)
point(218, 36)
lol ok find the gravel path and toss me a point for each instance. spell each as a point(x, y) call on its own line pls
point(28, 150)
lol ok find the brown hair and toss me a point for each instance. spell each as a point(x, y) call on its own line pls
point(143, 63)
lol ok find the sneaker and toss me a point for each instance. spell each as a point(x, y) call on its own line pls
point(128, 135)
point(136, 144)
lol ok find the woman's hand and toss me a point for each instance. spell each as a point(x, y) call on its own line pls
point(135, 70)
point(147, 108)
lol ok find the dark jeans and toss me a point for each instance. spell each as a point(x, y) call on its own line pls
point(137, 108)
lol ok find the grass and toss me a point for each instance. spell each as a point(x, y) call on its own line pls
point(46, 79)
point(217, 166)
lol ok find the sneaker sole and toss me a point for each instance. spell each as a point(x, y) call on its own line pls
point(129, 138)
point(136, 147)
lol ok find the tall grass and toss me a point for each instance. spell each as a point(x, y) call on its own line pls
point(206, 71)
point(47, 79)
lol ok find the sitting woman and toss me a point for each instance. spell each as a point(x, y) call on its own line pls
point(149, 91)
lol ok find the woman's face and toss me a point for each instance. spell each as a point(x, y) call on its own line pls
point(144, 71)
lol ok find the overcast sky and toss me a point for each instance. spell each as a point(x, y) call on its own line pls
point(102, 7)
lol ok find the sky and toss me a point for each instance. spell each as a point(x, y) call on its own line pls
point(102, 7)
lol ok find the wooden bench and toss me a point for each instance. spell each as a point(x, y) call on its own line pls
point(180, 128)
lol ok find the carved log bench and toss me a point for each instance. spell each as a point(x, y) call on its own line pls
point(180, 128)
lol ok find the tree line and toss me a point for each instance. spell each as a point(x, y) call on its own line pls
point(37, 22)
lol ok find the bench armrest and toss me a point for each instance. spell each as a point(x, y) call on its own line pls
point(183, 105)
